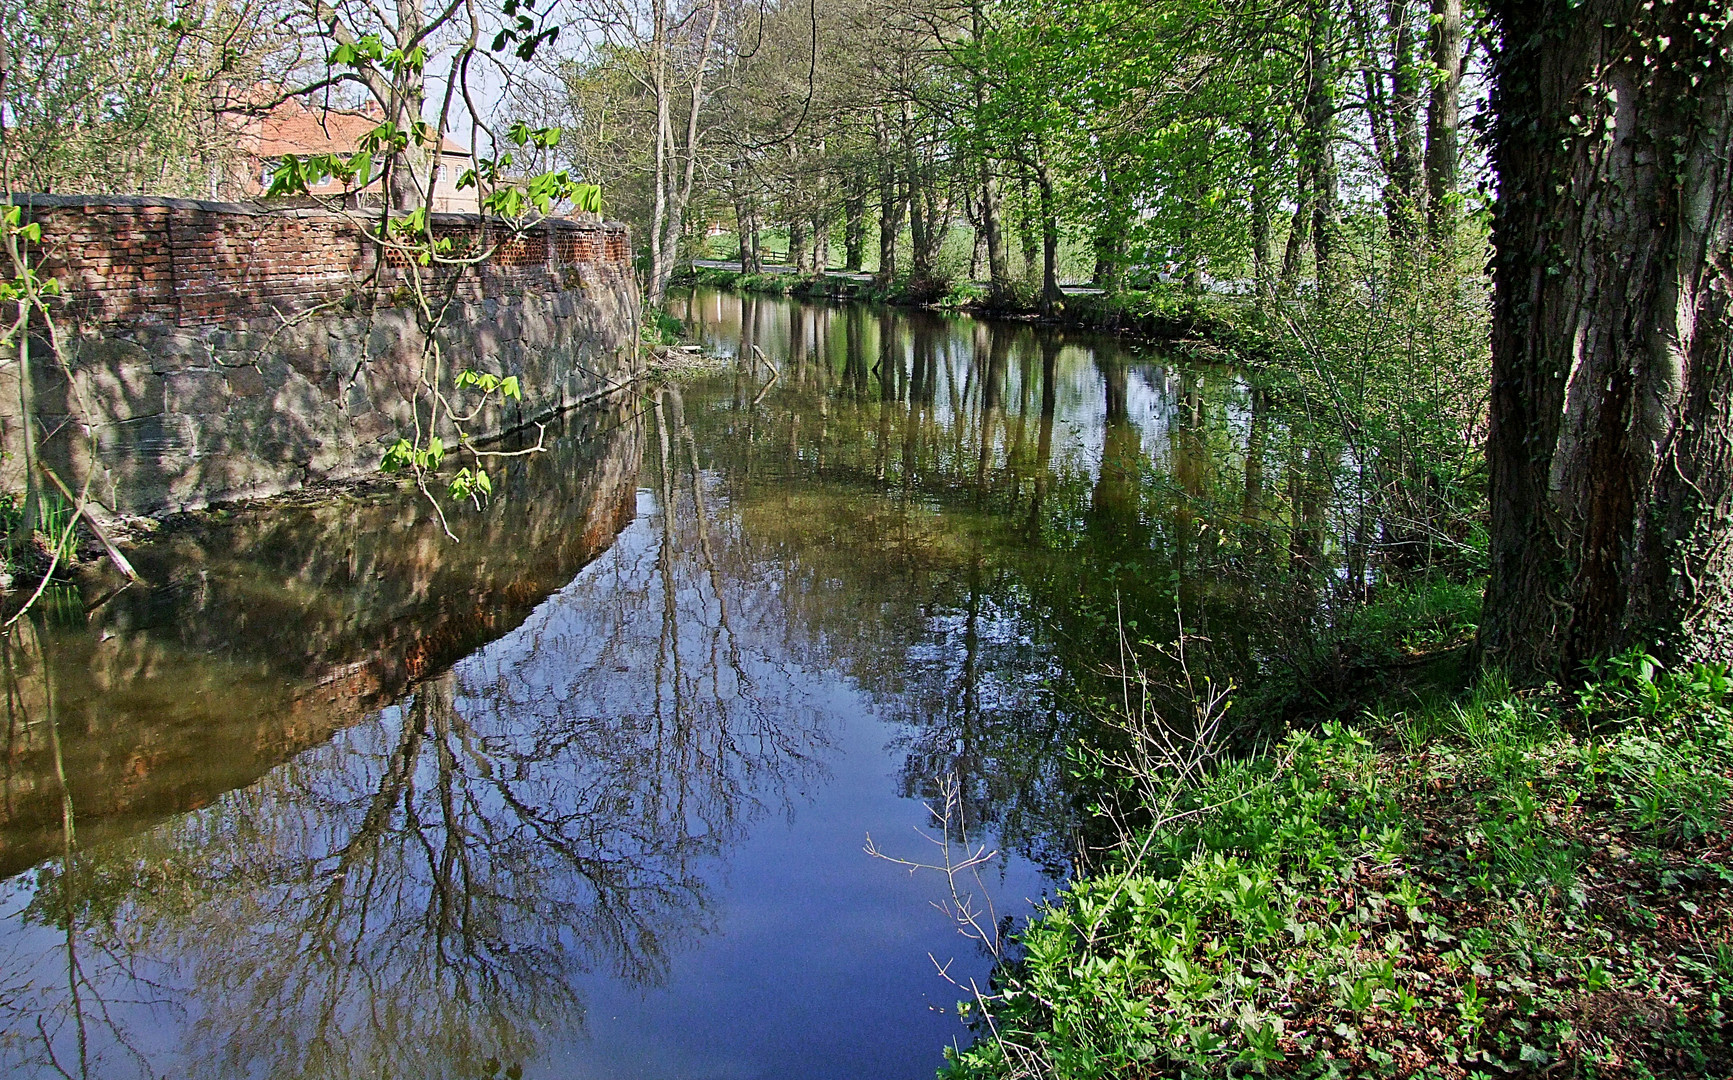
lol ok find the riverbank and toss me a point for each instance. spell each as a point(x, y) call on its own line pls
point(1385, 864)
point(1488, 883)
point(1211, 323)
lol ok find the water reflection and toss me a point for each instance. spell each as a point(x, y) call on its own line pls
point(1013, 495)
point(266, 630)
point(333, 797)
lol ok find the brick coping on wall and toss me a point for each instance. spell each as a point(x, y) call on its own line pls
point(128, 260)
point(289, 207)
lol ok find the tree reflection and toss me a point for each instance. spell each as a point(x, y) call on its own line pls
point(952, 517)
point(962, 514)
point(420, 895)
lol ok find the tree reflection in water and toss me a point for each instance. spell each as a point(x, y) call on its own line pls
point(977, 507)
point(940, 521)
point(420, 895)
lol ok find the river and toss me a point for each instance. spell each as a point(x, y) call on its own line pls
point(587, 792)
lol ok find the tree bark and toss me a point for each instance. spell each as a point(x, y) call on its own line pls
point(664, 125)
point(1109, 237)
point(742, 224)
point(1299, 235)
point(820, 242)
point(920, 270)
point(854, 224)
point(1320, 146)
point(674, 186)
point(1028, 234)
point(1052, 296)
point(890, 203)
point(999, 291)
point(1259, 138)
point(978, 251)
point(752, 258)
point(797, 244)
point(408, 93)
point(1611, 443)
point(1405, 209)
point(1442, 120)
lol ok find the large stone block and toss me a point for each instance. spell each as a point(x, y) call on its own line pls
point(193, 392)
point(142, 437)
point(174, 349)
point(247, 382)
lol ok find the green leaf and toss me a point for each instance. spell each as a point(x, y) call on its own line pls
point(397, 455)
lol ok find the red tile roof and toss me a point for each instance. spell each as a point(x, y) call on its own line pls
point(293, 128)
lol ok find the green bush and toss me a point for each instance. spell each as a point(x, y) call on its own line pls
point(657, 327)
point(1498, 885)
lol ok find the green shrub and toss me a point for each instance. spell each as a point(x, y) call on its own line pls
point(1500, 884)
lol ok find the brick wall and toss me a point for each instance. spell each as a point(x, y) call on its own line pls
point(138, 261)
point(183, 385)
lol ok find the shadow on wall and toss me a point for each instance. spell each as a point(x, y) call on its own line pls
point(201, 371)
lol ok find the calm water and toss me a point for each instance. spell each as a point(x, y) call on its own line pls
point(586, 794)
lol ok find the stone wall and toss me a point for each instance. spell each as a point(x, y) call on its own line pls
point(222, 351)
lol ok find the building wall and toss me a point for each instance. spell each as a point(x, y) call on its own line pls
point(225, 351)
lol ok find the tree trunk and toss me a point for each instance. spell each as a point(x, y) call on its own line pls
point(1611, 444)
point(408, 93)
point(920, 269)
point(1258, 135)
point(25, 528)
point(890, 203)
point(1442, 118)
point(1320, 147)
point(854, 225)
point(820, 243)
point(1028, 234)
point(1405, 207)
point(664, 126)
point(674, 187)
point(1052, 296)
point(978, 251)
point(753, 259)
point(1110, 238)
point(797, 244)
point(742, 225)
point(1299, 235)
point(999, 291)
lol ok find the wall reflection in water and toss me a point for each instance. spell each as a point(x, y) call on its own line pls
point(418, 893)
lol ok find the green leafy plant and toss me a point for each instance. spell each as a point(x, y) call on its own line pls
point(1350, 892)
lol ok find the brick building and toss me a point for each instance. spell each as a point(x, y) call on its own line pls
point(293, 127)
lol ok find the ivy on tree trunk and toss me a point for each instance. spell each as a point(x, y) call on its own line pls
point(1611, 445)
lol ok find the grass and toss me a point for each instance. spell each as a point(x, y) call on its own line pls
point(657, 327)
point(1410, 639)
point(56, 526)
point(1501, 884)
